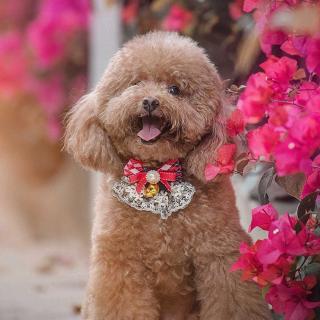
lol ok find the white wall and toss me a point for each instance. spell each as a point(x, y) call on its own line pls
point(105, 38)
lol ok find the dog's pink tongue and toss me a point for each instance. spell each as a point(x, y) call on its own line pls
point(150, 129)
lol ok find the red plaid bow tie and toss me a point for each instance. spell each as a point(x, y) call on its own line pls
point(137, 173)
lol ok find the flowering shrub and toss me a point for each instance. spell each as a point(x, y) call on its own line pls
point(284, 263)
point(278, 112)
point(42, 54)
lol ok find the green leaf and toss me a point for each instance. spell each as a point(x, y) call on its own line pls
point(264, 184)
point(292, 184)
point(312, 268)
point(264, 291)
point(277, 316)
point(317, 231)
point(240, 166)
point(306, 205)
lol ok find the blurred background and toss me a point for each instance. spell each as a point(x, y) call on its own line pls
point(52, 52)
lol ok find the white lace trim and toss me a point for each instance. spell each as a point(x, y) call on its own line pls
point(164, 203)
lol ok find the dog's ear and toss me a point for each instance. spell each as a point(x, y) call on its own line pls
point(86, 139)
point(205, 151)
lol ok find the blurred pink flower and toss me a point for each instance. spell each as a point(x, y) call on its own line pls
point(249, 5)
point(14, 75)
point(130, 11)
point(54, 129)
point(50, 94)
point(16, 13)
point(235, 9)
point(178, 18)
point(50, 34)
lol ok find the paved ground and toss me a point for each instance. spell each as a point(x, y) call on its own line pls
point(42, 282)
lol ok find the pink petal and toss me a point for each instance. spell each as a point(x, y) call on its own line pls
point(263, 216)
point(267, 254)
point(249, 5)
point(211, 171)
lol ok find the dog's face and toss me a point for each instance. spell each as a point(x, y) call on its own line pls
point(159, 99)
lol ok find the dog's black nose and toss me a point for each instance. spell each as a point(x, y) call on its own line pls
point(150, 104)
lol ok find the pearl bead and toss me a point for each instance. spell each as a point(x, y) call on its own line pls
point(153, 177)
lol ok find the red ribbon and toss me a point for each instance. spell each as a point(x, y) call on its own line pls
point(137, 173)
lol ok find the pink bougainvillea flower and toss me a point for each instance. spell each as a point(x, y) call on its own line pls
point(306, 92)
point(178, 18)
point(276, 272)
point(211, 171)
point(271, 37)
point(255, 98)
point(295, 45)
point(253, 269)
point(262, 217)
point(312, 183)
point(282, 239)
point(313, 55)
point(306, 129)
point(224, 163)
point(262, 142)
point(235, 124)
point(279, 70)
point(249, 264)
point(313, 103)
point(282, 116)
point(267, 253)
point(292, 301)
point(289, 156)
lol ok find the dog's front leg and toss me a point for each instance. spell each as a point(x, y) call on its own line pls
point(223, 295)
point(118, 287)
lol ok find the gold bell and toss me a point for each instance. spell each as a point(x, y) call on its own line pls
point(151, 190)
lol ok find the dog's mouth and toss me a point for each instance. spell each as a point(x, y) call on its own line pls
point(152, 127)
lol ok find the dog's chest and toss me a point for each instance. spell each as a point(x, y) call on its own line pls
point(165, 251)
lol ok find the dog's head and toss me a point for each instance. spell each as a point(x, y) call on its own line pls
point(160, 98)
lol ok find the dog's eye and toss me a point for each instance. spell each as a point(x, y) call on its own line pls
point(174, 90)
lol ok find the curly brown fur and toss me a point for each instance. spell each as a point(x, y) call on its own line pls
point(143, 267)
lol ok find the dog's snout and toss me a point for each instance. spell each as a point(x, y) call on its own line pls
point(150, 104)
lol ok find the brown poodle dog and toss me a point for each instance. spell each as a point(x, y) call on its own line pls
point(159, 99)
